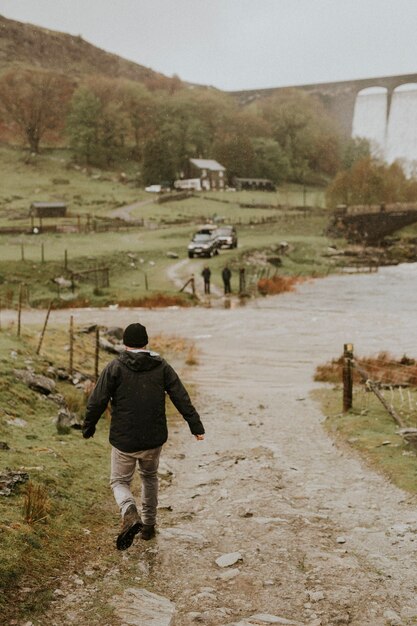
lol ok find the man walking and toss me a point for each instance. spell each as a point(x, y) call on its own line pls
point(226, 276)
point(135, 383)
point(206, 273)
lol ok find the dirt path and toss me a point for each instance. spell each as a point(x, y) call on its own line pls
point(323, 540)
point(124, 212)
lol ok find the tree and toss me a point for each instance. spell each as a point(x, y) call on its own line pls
point(370, 181)
point(83, 125)
point(305, 131)
point(97, 124)
point(354, 150)
point(270, 160)
point(158, 161)
point(237, 155)
point(35, 102)
point(140, 110)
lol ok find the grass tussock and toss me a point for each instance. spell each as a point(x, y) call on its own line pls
point(383, 368)
point(277, 285)
point(36, 503)
point(192, 358)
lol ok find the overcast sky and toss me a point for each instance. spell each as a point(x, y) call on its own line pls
point(242, 44)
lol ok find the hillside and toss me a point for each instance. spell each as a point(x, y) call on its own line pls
point(27, 45)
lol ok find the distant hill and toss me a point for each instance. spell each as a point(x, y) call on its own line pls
point(26, 45)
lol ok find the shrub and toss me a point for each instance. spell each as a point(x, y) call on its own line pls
point(154, 301)
point(277, 284)
point(382, 368)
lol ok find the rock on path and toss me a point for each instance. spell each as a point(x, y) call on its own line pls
point(138, 607)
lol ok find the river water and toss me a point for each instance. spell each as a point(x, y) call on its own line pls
point(281, 339)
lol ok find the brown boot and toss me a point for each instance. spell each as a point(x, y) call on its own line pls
point(132, 524)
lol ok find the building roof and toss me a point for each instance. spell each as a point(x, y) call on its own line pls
point(253, 180)
point(208, 164)
point(48, 205)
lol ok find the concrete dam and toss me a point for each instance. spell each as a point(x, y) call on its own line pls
point(382, 110)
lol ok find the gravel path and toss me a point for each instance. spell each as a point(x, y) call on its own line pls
point(321, 538)
point(124, 212)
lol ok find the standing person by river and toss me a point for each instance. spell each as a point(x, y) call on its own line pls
point(135, 383)
point(206, 273)
point(226, 276)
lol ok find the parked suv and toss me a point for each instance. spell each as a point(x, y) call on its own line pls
point(227, 237)
point(204, 242)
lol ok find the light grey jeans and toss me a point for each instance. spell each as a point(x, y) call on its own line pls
point(123, 465)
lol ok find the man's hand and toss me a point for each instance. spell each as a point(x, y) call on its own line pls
point(88, 431)
point(199, 437)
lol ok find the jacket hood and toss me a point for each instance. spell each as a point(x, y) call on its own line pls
point(140, 361)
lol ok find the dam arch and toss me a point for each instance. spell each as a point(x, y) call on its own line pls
point(401, 143)
point(370, 117)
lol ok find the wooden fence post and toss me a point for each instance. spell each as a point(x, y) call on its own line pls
point(71, 345)
point(42, 253)
point(347, 377)
point(97, 353)
point(242, 280)
point(146, 282)
point(38, 349)
point(22, 251)
point(65, 259)
point(19, 310)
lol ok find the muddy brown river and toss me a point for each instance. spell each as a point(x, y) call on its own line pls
point(323, 539)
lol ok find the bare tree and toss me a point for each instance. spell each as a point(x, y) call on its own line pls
point(35, 102)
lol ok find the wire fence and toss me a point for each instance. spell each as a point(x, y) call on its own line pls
point(392, 382)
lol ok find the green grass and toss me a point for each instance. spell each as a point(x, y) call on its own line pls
point(32, 180)
point(74, 477)
point(168, 227)
point(287, 194)
point(127, 274)
point(28, 179)
point(368, 427)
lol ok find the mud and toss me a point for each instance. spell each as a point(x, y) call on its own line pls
point(322, 538)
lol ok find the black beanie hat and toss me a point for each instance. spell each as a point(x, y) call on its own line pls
point(135, 336)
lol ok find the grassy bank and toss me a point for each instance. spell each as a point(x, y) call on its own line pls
point(368, 427)
point(68, 476)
